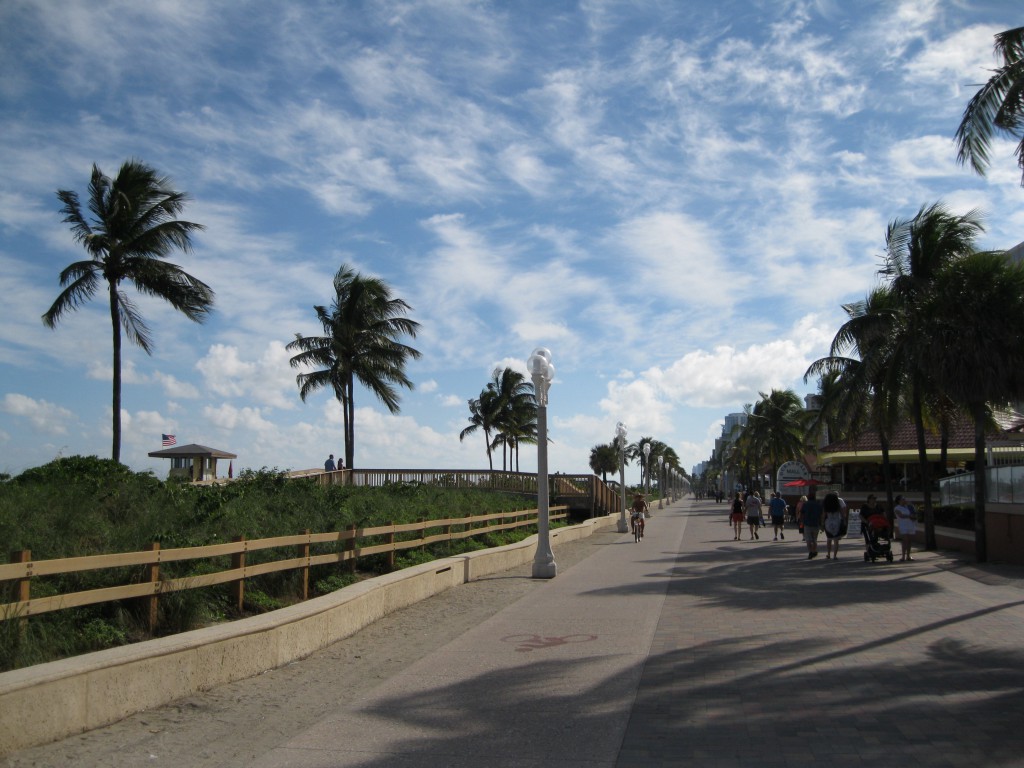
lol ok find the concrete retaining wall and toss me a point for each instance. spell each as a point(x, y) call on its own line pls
point(49, 701)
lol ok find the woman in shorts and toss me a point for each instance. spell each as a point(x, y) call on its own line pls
point(736, 517)
point(833, 524)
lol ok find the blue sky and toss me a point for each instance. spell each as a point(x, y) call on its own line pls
point(674, 198)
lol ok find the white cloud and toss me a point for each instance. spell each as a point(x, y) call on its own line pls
point(268, 379)
point(228, 417)
point(43, 415)
point(956, 64)
point(174, 387)
point(923, 157)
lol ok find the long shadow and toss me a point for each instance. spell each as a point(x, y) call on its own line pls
point(719, 704)
point(775, 579)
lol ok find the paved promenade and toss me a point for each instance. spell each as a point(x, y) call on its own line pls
point(691, 649)
point(686, 649)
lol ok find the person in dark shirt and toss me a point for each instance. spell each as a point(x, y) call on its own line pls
point(810, 517)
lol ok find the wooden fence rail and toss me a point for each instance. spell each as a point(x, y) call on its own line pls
point(22, 569)
point(581, 492)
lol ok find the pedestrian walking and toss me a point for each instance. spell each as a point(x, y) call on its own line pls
point(834, 523)
point(906, 525)
point(753, 505)
point(736, 517)
point(809, 517)
point(777, 512)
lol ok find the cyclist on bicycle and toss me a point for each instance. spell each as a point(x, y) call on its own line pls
point(638, 512)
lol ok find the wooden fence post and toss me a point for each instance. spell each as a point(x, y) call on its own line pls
point(21, 589)
point(154, 578)
point(390, 538)
point(238, 586)
point(304, 553)
point(351, 547)
point(423, 533)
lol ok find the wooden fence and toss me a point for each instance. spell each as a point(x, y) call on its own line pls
point(346, 545)
point(579, 492)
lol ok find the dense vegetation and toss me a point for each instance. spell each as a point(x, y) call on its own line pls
point(85, 505)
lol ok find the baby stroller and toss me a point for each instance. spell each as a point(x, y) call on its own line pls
point(877, 538)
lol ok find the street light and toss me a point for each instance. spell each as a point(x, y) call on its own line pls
point(647, 466)
point(542, 372)
point(661, 481)
point(620, 440)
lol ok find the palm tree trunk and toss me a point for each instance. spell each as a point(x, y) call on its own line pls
point(487, 439)
point(980, 491)
point(115, 450)
point(350, 429)
point(925, 470)
point(887, 475)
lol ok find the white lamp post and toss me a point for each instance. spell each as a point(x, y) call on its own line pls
point(542, 372)
point(620, 439)
point(661, 481)
point(647, 467)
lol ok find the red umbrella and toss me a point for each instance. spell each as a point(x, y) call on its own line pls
point(230, 470)
point(801, 483)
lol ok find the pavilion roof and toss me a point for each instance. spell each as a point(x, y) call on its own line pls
point(190, 451)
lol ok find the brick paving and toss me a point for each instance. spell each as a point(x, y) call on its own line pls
point(692, 649)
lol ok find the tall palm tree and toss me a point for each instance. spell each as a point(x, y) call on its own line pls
point(976, 349)
point(133, 228)
point(481, 417)
point(777, 429)
point(516, 410)
point(635, 451)
point(917, 250)
point(360, 343)
point(867, 390)
point(604, 458)
point(998, 107)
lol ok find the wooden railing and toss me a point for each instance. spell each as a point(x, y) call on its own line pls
point(346, 545)
point(574, 490)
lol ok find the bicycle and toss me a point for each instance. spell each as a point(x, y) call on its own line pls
point(637, 523)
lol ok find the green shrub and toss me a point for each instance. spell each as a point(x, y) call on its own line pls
point(100, 633)
point(84, 505)
point(260, 602)
point(334, 582)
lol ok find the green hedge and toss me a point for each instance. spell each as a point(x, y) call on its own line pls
point(84, 505)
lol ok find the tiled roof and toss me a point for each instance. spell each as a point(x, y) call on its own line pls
point(903, 438)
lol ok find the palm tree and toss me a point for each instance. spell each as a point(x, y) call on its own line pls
point(917, 250)
point(635, 451)
point(506, 409)
point(777, 429)
point(998, 107)
point(133, 228)
point(515, 409)
point(604, 458)
point(481, 416)
point(360, 343)
point(865, 391)
point(976, 349)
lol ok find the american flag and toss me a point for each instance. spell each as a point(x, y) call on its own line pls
point(169, 440)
